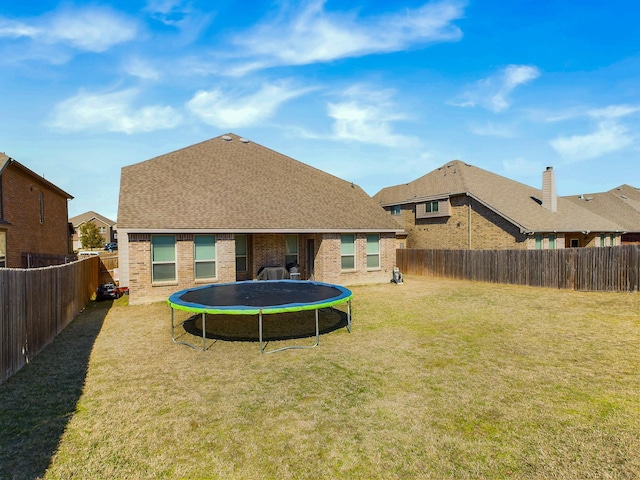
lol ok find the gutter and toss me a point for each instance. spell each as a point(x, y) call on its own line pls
point(258, 230)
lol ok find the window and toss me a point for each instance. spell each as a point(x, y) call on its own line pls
point(204, 256)
point(432, 207)
point(552, 242)
point(348, 251)
point(395, 210)
point(575, 243)
point(163, 258)
point(602, 240)
point(538, 242)
point(41, 201)
point(291, 250)
point(612, 239)
point(373, 250)
point(3, 249)
point(103, 229)
point(241, 253)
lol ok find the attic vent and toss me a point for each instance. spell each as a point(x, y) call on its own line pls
point(227, 138)
point(244, 140)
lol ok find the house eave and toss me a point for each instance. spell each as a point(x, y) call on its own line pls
point(255, 231)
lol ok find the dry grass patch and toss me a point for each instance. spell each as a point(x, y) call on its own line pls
point(439, 379)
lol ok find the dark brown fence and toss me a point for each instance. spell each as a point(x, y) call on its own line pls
point(108, 268)
point(598, 269)
point(37, 304)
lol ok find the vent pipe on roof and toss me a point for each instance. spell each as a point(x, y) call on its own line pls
point(549, 195)
point(227, 138)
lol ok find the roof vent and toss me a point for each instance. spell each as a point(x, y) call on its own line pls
point(227, 138)
point(244, 140)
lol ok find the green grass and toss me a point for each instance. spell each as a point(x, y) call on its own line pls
point(438, 379)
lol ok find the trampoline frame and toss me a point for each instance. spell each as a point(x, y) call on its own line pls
point(175, 304)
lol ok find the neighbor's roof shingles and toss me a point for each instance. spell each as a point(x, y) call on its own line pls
point(232, 185)
point(90, 215)
point(518, 203)
point(620, 204)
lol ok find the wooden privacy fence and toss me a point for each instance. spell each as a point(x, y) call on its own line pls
point(37, 304)
point(597, 269)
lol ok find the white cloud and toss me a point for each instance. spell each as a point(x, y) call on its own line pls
point(315, 35)
point(113, 112)
point(493, 92)
point(614, 111)
point(367, 116)
point(181, 15)
point(232, 109)
point(609, 137)
point(93, 29)
point(610, 134)
point(491, 129)
point(141, 69)
point(13, 29)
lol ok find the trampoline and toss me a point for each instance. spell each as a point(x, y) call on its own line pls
point(258, 298)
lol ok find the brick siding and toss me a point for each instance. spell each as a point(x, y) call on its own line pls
point(470, 226)
point(21, 208)
point(264, 250)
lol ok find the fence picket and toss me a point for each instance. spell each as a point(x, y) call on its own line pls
point(605, 269)
point(36, 304)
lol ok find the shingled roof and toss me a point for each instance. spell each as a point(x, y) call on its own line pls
point(620, 204)
point(231, 184)
point(6, 160)
point(90, 215)
point(518, 203)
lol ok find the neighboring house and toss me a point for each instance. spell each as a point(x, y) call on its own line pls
point(33, 217)
point(621, 205)
point(223, 209)
point(106, 227)
point(459, 206)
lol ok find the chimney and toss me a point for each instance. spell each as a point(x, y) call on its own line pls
point(549, 195)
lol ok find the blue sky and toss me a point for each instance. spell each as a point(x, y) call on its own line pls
point(375, 92)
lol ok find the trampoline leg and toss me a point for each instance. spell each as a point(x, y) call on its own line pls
point(349, 316)
point(204, 332)
point(260, 331)
point(317, 330)
point(173, 337)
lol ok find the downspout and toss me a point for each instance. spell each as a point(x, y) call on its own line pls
point(469, 224)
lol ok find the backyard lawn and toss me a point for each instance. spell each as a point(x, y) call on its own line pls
point(438, 379)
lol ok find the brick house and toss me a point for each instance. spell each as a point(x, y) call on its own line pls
point(106, 227)
point(33, 217)
point(224, 209)
point(463, 207)
point(620, 204)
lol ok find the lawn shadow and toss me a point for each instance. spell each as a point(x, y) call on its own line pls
point(278, 326)
point(37, 403)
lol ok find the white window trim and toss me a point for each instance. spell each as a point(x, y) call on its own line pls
point(245, 255)
point(287, 254)
point(355, 251)
point(214, 260)
point(371, 269)
point(175, 262)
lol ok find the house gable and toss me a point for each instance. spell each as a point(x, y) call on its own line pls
point(530, 212)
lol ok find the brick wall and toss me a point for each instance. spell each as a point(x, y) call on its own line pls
point(329, 264)
point(141, 289)
point(470, 225)
point(21, 208)
point(266, 250)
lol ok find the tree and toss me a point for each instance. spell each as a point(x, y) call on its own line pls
point(90, 236)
